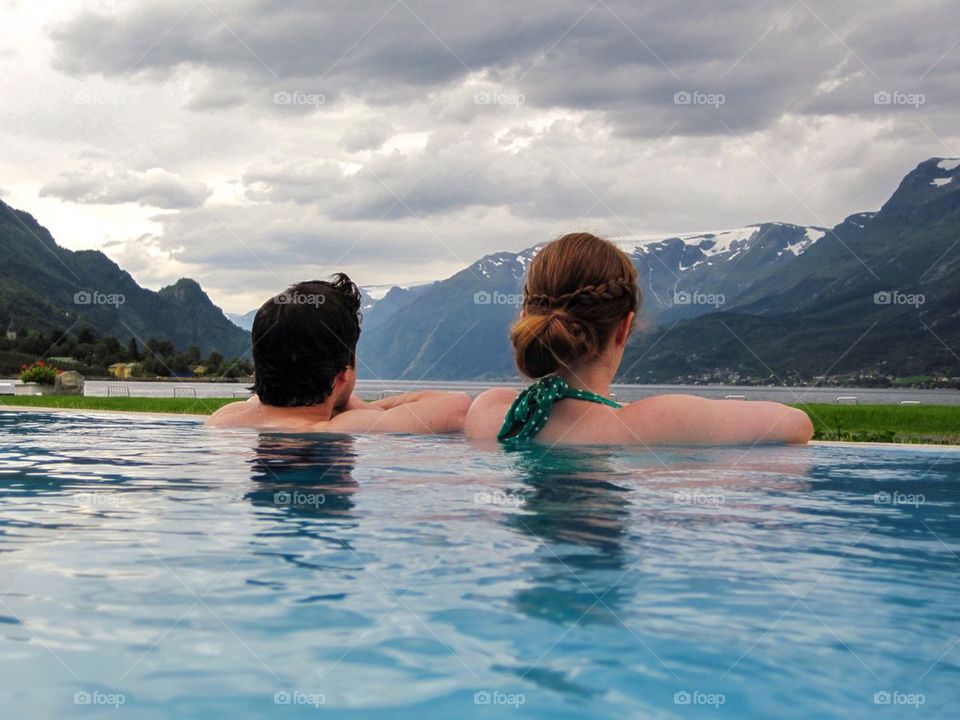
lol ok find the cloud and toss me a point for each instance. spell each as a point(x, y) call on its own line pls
point(402, 140)
point(107, 186)
point(624, 59)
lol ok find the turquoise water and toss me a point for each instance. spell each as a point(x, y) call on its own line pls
point(154, 569)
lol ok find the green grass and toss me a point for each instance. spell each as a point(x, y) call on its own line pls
point(852, 423)
point(885, 423)
point(197, 406)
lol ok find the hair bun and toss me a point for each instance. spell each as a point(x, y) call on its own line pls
point(577, 289)
point(546, 341)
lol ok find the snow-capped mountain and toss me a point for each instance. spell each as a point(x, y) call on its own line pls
point(457, 328)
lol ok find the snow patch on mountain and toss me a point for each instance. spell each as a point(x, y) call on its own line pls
point(949, 164)
point(940, 182)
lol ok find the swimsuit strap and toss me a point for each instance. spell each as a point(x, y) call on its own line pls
point(531, 410)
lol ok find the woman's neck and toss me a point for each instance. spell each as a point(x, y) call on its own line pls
point(594, 377)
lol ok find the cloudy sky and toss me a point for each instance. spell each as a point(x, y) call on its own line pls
point(253, 143)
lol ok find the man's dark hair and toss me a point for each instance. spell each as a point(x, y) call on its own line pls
point(303, 338)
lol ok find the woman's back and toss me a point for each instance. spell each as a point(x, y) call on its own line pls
point(660, 420)
point(580, 301)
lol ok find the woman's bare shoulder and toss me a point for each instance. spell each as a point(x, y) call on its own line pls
point(487, 411)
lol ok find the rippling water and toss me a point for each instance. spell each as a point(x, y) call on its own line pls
point(172, 571)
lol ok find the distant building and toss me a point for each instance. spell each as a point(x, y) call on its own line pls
point(199, 371)
point(123, 371)
point(11, 331)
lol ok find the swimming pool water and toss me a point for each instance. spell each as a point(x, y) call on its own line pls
point(150, 568)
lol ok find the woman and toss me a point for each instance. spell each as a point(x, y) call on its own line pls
point(580, 301)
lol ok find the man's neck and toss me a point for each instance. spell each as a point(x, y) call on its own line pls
point(315, 413)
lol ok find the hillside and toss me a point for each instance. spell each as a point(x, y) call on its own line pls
point(49, 288)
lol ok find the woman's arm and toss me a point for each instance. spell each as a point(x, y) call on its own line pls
point(687, 419)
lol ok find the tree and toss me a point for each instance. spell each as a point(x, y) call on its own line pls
point(133, 350)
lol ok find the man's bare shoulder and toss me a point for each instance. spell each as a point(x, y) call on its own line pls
point(232, 415)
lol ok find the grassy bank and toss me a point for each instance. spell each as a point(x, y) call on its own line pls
point(886, 423)
point(851, 423)
point(196, 406)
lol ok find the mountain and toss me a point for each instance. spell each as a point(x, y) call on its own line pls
point(688, 275)
point(876, 295)
point(459, 325)
point(50, 288)
point(765, 301)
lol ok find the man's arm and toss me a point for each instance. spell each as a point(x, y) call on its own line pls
point(427, 413)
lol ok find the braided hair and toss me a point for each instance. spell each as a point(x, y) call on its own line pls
point(578, 289)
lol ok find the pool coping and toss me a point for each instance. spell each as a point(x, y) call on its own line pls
point(194, 416)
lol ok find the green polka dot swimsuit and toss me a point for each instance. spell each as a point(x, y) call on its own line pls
point(531, 410)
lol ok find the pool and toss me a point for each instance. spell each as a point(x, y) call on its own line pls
point(150, 568)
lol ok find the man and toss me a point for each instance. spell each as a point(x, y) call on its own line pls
point(305, 355)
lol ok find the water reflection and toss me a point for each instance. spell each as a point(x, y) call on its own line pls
point(577, 509)
point(304, 476)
